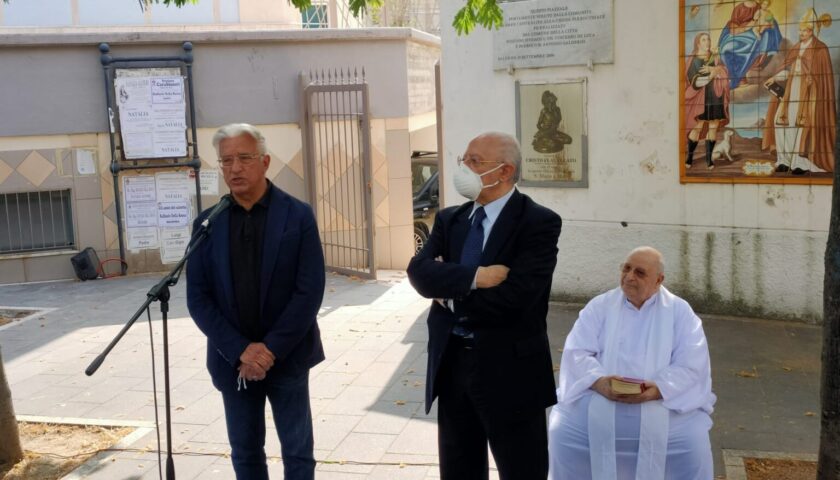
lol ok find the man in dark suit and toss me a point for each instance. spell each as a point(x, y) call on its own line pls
point(488, 264)
point(254, 288)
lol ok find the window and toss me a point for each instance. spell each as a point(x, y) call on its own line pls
point(314, 17)
point(420, 175)
point(35, 221)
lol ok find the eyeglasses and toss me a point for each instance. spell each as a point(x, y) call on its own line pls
point(472, 162)
point(244, 159)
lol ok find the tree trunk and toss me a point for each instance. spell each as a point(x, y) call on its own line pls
point(829, 459)
point(10, 449)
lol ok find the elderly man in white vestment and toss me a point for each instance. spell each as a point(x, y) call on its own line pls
point(639, 330)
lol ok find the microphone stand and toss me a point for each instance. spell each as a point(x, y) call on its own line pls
point(160, 292)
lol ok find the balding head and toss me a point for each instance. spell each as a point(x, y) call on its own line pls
point(641, 274)
point(651, 253)
point(495, 158)
point(506, 148)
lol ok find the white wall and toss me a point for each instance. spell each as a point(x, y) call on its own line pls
point(753, 250)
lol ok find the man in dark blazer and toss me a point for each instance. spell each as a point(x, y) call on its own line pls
point(254, 288)
point(488, 264)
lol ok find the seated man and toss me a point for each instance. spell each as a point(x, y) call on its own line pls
point(640, 330)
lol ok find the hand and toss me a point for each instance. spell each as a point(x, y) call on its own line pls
point(603, 387)
point(441, 301)
point(257, 355)
point(489, 277)
point(251, 373)
point(651, 393)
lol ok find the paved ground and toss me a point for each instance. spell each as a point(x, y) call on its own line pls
point(367, 395)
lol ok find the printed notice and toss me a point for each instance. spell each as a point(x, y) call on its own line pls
point(142, 238)
point(141, 214)
point(173, 187)
point(139, 143)
point(169, 117)
point(167, 89)
point(547, 33)
point(209, 182)
point(136, 119)
point(172, 250)
point(174, 233)
point(133, 91)
point(152, 113)
point(85, 162)
point(140, 188)
point(173, 214)
point(169, 144)
point(173, 244)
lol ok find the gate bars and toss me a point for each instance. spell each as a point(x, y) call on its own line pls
point(337, 152)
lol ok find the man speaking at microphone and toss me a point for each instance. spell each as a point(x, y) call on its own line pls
point(254, 287)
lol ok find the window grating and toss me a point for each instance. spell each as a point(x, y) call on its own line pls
point(35, 221)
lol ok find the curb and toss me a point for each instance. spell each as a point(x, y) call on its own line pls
point(93, 463)
point(36, 312)
point(733, 460)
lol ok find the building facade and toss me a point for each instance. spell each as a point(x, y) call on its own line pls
point(735, 248)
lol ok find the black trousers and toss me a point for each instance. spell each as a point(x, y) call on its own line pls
point(518, 440)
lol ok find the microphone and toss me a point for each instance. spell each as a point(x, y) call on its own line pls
point(224, 203)
point(204, 227)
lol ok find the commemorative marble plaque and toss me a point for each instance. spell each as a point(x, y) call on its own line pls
point(548, 33)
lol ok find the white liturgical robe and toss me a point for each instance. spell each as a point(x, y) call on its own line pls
point(663, 342)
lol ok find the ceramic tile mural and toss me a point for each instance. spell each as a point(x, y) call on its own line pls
point(759, 82)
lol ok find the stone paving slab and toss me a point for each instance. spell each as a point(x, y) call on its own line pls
point(367, 397)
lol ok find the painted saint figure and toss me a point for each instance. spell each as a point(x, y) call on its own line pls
point(750, 36)
point(800, 125)
point(549, 138)
point(706, 97)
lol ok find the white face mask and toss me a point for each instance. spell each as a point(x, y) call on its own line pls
point(469, 184)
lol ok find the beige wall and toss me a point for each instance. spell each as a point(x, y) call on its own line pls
point(423, 132)
point(421, 59)
point(249, 75)
point(269, 11)
point(48, 163)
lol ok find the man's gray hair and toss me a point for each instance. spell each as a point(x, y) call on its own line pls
point(510, 152)
point(645, 249)
point(232, 130)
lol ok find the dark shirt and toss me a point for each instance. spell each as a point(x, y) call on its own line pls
point(247, 229)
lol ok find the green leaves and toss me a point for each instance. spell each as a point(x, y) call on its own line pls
point(177, 3)
point(486, 13)
point(301, 4)
point(359, 7)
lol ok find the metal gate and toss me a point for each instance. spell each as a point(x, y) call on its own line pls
point(336, 151)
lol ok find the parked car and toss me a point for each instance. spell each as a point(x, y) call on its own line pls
point(424, 188)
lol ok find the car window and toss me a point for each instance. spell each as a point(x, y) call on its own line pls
point(420, 174)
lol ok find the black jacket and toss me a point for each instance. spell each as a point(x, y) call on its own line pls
point(509, 321)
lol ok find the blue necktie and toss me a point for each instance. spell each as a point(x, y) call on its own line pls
point(471, 255)
point(474, 243)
